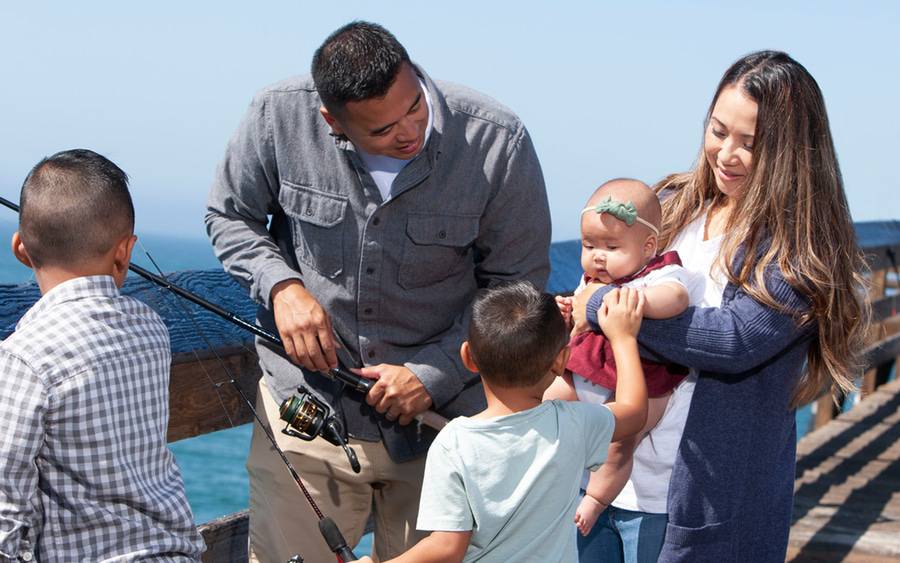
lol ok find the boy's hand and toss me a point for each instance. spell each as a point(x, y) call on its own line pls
point(565, 309)
point(363, 559)
point(621, 313)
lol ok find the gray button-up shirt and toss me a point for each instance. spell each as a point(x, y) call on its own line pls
point(397, 276)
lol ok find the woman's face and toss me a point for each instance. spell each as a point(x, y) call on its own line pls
point(728, 142)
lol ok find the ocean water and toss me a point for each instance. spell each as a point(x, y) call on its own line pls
point(213, 464)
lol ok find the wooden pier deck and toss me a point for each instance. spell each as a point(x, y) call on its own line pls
point(847, 492)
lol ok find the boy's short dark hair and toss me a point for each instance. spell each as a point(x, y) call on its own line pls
point(515, 334)
point(74, 205)
point(357, 62)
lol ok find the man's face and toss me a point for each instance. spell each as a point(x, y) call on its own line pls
point(393, 125)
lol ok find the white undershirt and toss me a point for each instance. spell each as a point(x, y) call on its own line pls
point(384, 169)
point(654, 456)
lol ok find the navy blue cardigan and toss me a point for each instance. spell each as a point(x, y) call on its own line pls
point(731, 492)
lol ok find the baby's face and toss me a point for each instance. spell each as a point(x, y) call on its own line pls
point(610, 249)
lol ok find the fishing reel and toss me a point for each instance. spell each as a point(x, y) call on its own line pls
point(308, 416)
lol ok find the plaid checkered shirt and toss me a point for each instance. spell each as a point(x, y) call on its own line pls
point(85, 474)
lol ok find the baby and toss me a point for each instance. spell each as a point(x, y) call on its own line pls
point(619, 232)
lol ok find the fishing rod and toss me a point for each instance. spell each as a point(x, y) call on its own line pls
point(327, 527)
point(356, 382)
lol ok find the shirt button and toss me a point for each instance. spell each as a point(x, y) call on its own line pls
point(442, 234)
point(376, 221)
point(309, 211)
point(367, 310)
point(25, 556)
point(371, 353)
point(370, 270)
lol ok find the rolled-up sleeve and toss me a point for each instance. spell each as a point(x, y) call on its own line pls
point(243, 195)
point(439, 367)
point(513, 244)
point(22, 407)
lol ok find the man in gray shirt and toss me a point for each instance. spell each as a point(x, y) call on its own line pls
point(363, 207)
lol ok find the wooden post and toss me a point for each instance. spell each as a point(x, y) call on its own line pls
point(876, 331)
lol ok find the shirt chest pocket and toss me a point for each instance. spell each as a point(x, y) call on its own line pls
point(317, 226)
point(438, 247)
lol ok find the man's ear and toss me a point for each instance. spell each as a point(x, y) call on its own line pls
point(466, 354)
point(331, 121)
point(559, 364)
point(18, 250)
point(122, 257)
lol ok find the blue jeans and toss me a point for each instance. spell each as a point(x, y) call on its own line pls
point(624, 536)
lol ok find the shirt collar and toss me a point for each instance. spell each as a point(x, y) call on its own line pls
point(71, 290)
point(437, 112)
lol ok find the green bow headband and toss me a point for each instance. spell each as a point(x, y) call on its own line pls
point(625, 212)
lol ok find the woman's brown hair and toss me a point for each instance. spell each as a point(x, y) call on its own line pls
point(791, 211)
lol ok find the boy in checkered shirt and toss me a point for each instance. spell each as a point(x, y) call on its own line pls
point(86, 474)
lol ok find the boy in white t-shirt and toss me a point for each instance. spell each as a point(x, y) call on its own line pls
point(503, 485)
point(619, 230)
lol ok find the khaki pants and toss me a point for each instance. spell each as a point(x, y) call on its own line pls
point(283, 524)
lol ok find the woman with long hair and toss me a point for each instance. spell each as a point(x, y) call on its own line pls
point(763, 216)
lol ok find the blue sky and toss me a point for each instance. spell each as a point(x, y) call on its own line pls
point(606, 90)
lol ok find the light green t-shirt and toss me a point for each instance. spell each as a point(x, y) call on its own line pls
point(514, 480)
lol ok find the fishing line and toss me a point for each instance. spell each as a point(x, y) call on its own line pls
point(162, 302)
point(327, 527)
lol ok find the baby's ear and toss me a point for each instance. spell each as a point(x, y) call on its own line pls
point(650, 246)
point(18, 250)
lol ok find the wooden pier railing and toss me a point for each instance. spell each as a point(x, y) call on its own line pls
point(847, 490)
point(848, 474)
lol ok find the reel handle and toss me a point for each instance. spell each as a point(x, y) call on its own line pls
point(358, 382)
point(335, 540)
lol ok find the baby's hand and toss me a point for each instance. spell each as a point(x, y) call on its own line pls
point(621, 313)
point(565, 309)
point(363, 559)
point(588, 511)
point(579, 306)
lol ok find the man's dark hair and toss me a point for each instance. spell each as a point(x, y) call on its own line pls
point(515, 334)
point(357, 62)
point(75, 205)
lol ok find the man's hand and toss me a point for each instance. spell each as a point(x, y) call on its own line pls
point(621, 313)
point(579, 304)
point(397, 392)
point(304, 326)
